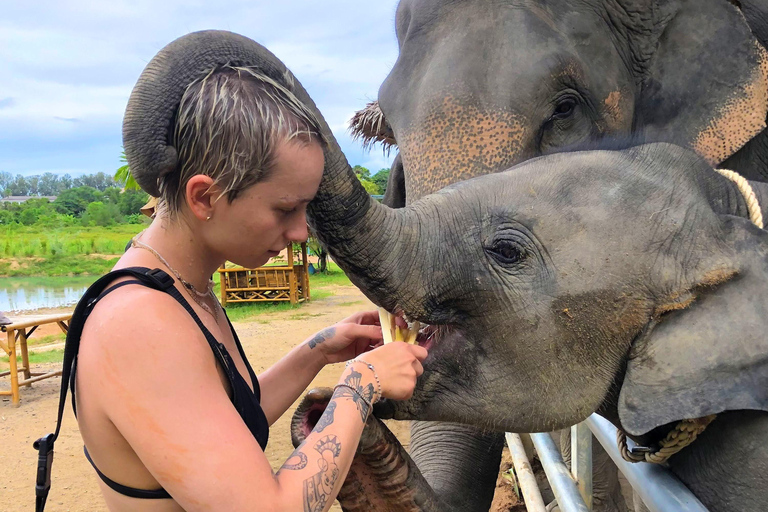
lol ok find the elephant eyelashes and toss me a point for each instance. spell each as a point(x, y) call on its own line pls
point(506, 252)
point(564, 108)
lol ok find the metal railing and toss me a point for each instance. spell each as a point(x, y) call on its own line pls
point(659, 489)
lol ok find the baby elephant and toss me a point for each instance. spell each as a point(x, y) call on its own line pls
point(628, 282)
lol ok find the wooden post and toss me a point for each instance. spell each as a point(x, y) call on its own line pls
point(24, 354)
point(305, 284)
point(294, 291)
point(223, 281)
point(14, 369)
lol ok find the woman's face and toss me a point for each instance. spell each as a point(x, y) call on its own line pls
point(261, 221)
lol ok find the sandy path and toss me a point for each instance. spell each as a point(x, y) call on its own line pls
point(265, 339)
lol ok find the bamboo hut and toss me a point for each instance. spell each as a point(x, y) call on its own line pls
point(287, 282)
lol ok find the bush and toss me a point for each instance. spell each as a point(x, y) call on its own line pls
point(100, 214)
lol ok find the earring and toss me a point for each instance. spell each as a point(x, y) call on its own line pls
point(208, 218)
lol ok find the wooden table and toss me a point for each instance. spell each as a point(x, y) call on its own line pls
point(17, 334)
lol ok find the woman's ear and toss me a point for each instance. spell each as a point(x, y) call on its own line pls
point(201, 195)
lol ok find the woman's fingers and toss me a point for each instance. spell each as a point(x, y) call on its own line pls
point(370, 332)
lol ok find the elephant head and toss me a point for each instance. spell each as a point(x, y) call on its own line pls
point(570, 271)
point(482, 85)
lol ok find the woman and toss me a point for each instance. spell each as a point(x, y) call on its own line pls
point(172, 416)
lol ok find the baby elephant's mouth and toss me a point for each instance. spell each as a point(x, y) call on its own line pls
point(415, 333)
point(308, 413)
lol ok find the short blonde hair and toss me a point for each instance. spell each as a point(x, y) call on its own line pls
point(228, 126)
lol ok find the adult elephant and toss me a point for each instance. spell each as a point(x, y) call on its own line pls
point(481, 85)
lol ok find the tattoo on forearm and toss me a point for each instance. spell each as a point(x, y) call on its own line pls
point(327, 417)
point(318, 489)
point(322, 336)
point(361, 396)
point(301, 463)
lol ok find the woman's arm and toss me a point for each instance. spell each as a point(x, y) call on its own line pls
point(161, 390)
point(282, 383)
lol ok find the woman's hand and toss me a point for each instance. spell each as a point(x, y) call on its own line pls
point(397, 366)
point(349, 338)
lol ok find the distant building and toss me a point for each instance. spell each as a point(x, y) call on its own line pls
point(21, 199)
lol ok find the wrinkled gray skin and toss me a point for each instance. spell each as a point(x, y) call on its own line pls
point(583, 282)
point(521, 374)
point(481, 85)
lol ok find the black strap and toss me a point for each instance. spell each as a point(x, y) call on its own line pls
point(131, 492)
point(154, 278)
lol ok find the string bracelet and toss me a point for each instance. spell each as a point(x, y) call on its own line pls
point(356, 392)
point(373, 370)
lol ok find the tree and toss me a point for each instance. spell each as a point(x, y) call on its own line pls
point(111, 195)
point(380, 179)
point(123, 176)
point(75, 200)
point(131, 201)
point(370, 187)
point(99, 181)
point(100, 214)
point(51, 185)
point(17, 187)
point(361, 172)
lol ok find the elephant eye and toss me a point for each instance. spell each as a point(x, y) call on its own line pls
point(564, 108)
point(506, 252)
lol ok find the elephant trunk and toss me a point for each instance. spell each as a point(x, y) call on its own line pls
point(365, 238)
point(382, 476)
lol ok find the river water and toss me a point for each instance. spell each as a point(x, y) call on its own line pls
point(26, 294)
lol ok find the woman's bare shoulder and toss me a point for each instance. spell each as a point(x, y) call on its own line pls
point(135, 322)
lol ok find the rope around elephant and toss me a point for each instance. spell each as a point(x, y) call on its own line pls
point(686, 431)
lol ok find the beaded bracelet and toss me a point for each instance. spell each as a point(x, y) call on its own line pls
point(375, 376)
point(356, 392)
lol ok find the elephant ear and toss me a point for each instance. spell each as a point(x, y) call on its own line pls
point(703, 74)
point(707, 350)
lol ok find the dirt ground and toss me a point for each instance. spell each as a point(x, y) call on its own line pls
point(74, 484)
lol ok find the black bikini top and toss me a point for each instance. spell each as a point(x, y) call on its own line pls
point(245, 401)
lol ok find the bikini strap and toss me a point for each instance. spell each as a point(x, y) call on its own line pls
point(152, 278)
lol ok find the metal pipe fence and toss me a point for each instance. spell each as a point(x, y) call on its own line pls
point(659, 489)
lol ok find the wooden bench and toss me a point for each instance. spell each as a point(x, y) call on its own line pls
point(16, 335)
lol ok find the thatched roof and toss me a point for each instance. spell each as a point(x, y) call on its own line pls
point(371, 127)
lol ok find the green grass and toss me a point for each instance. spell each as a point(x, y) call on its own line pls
point(73, 265)
point(45, 340)
point(50, 356)
point(33, 241)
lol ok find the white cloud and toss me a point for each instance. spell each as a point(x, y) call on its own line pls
point(69, 67)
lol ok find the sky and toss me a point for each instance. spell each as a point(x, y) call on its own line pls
point(67, 68)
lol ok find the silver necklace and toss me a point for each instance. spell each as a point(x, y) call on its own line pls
point(196, 294)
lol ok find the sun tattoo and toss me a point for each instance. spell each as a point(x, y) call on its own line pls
point(323, 335)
